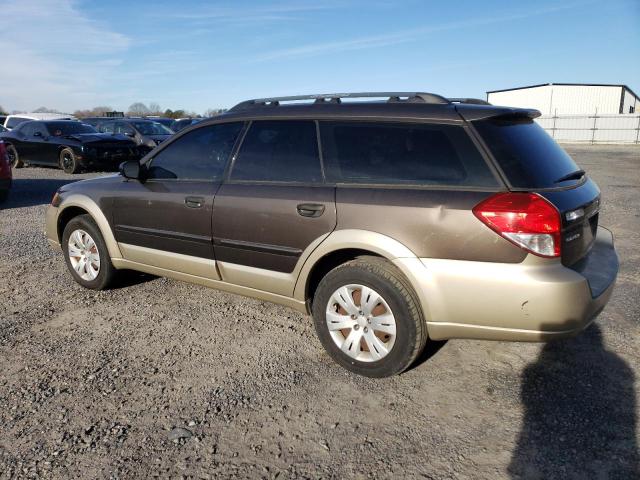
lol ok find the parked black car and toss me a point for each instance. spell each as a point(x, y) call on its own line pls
point(167, 122)
point(146, 133)
point(181, 123)
point(68, 144)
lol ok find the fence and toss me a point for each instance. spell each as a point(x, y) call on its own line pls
point(622, 128)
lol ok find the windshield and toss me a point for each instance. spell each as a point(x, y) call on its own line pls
point(151, 128)
point(527, 155)
point(61, 129)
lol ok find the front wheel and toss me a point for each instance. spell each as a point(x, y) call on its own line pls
point(86, 254)
point(14, 158)
point(68, 161)
point(368, 318)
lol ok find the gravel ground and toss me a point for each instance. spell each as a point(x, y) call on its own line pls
point(160, 378)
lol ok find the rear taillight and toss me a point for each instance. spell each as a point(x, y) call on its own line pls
point(526, 219)
point(5, 164)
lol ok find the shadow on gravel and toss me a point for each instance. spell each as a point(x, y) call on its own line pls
point(129, 278)
point(431, 348)
point(580, 419)
point(26, 192)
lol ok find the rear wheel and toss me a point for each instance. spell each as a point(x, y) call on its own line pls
point(368, 318)
point(86, 254)
point(14, 158)
point(68, 161)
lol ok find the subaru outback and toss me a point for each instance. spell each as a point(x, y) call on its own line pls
point(392, 219)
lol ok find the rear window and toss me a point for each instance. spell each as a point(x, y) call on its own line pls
point(528, 156)
point(402, 154)
point(13, 121)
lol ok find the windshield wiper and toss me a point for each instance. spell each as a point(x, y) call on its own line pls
point(578, 174)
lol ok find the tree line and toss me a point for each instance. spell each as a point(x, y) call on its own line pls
point(136, 109)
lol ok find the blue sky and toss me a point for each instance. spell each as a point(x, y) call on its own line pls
point(68, 54)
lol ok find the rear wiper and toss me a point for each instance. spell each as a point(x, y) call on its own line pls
point(578, 174)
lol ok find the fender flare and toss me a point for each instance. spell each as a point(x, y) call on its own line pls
point(397, 253)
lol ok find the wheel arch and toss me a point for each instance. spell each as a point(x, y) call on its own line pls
point(82, 205)
point(344, 245)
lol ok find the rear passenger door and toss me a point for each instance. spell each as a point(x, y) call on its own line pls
point(273, 206)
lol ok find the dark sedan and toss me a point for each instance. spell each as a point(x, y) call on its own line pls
point(68, 144)
point(146, 133)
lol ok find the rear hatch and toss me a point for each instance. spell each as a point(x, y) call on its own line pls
point(532, 161)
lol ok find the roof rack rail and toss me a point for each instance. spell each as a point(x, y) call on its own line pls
point(323, 98)
point(472, 101)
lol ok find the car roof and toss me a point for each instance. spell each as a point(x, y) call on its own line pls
point(398, 105)
point(43, 116)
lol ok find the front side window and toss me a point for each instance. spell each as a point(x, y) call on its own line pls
point(61, 129)
point(26, 129)
point(201, 154)
point(402, 154)
point(279, 151)
point(123, 128)
point(106, 127)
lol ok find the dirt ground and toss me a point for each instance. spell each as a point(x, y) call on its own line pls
point(94, 384)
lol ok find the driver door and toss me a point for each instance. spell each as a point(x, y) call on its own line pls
point(164, 220)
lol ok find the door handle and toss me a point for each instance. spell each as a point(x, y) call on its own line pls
point(194, 202)
point(310, 209)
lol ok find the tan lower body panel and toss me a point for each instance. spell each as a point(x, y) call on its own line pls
point(529, 301)
point(196, 266)
point(208, 282)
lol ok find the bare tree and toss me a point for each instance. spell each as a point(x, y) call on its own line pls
point(2, 110)
point(138, 109)
point(45, 110)
point(94, 112)
point(154, 108)
point(212, 112)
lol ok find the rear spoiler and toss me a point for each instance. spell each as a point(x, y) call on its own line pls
point(471, 112)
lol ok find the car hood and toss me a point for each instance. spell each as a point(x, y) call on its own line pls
point(159, 138)
point(101, 138)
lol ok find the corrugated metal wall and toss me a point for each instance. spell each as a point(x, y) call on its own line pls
point(564, 99)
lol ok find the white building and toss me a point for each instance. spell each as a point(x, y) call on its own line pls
point(569, 98)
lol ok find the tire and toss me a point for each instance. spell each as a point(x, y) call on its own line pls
point(14, 158)
point(395, 348)
point(68, 161)
point(80, 235)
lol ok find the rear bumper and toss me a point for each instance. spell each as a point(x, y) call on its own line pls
point(536, 300)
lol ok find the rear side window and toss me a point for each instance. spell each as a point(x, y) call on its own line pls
point(528, 156)
point(402, 154)
point(106, 127)
point(279, 151)
point(201, 154)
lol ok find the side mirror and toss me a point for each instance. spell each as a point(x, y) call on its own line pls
point(130, 169)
